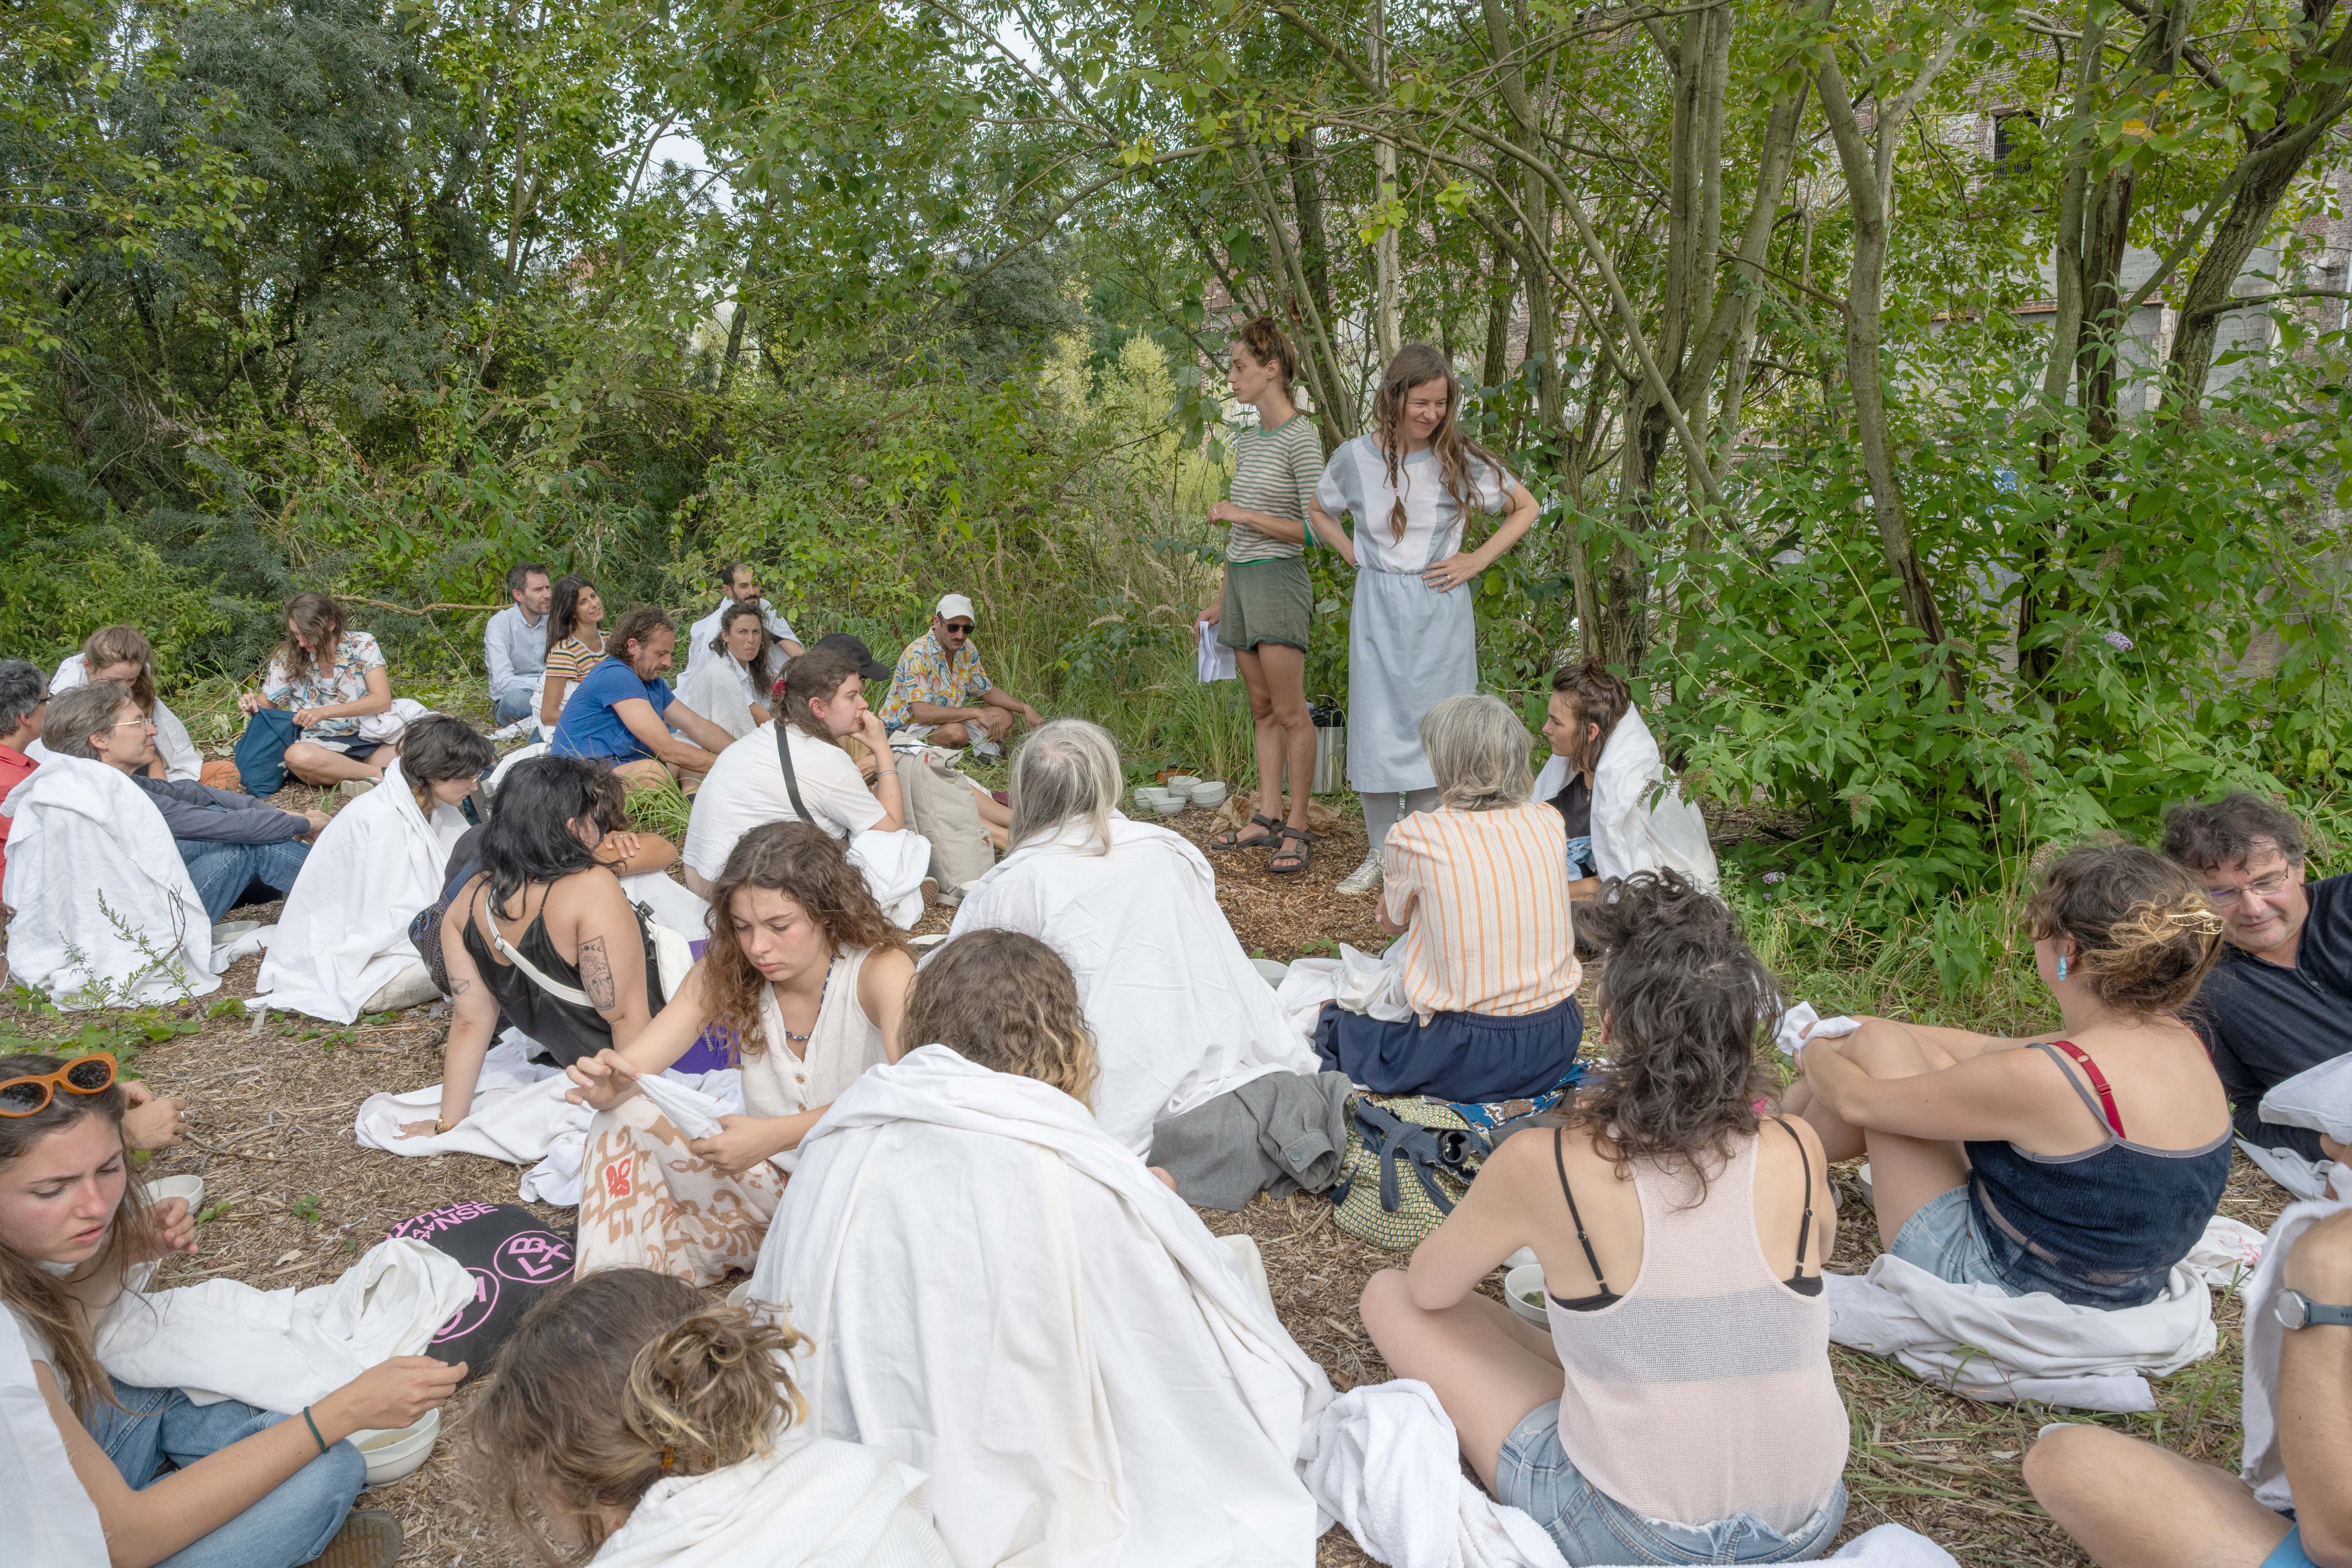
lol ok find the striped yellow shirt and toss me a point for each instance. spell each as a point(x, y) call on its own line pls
point(1483, 896)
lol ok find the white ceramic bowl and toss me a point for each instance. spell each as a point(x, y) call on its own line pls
point(1168, 805)
point(1179, 784)
point(1523, 1287)
point(1208, 794)
point(394, 1454)
point(1146, 794)
point(1273, 971)
point(189, 1187)
point(1868, 1195)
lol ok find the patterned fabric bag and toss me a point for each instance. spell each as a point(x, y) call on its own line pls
point(1410, 1159)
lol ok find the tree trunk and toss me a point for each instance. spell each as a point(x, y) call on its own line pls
point(1499, 291)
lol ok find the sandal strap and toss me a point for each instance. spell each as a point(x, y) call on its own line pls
point(1261, 820)
point(1283, 830)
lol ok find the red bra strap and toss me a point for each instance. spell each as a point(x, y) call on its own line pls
point(2099, 1083)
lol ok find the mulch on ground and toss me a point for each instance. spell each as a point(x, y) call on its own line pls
point(290, 1199)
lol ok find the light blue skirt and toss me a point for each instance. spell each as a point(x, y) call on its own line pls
point(1409, 648)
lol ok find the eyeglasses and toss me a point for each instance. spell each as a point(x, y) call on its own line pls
point(958, 625)
point(31, 1096)
point(2261, 887)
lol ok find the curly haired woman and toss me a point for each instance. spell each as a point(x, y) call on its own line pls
point(811, 978)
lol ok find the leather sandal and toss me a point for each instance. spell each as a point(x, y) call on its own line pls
point(1299, 855)
point(1234, 840)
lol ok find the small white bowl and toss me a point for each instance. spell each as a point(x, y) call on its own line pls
point(189, 1187)
point(1273, 971)
point(1523, 1289)
point(1146, 794)
point(1208, 794)
point(1179, 784)
point(1862, 1175)
point(394, 1454)
point(1167, 805)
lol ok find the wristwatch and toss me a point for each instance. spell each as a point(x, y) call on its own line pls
point(2294, 1310)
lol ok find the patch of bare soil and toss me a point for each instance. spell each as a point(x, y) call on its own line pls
point(290, 1199)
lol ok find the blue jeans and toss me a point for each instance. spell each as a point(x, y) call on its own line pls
point(2289, 1553)
point(513, 705)
point(290, 1525)
point(222, 872)
point(1590, 1527)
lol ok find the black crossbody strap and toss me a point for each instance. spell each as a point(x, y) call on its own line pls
point(791, 782)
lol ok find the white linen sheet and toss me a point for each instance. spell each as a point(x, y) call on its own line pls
point(1384, 1459)
point(105, 912)
point(60, 1529)
point(281, 1350)
point(344, 932)
point(1178, 1014)
point(1006, 1299)
point(2264, 1467)
point(1640, 820)
point(808, 1503)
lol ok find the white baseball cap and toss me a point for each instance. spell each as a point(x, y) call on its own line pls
point(954, 605)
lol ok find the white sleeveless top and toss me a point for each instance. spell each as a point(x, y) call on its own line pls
point(1705, 1391)
point(843, 1044)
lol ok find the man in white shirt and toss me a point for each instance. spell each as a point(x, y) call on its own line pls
point(514, 643)
point(824, 688)
point(741, 582)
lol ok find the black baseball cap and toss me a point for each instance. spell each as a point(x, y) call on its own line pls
point(869, 667)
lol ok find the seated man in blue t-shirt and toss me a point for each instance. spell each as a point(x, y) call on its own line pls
point(621, 713)
point(2279, 1001)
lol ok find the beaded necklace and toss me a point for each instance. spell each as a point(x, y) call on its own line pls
point(821, 990)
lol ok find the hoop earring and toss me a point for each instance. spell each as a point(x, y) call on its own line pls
point(2061, 967)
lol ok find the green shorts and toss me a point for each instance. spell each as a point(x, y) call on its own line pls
point(1266, 601)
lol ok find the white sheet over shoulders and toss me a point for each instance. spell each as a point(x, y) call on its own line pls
point(2264, 1467)
point(812, 1502)
point(172, 743)
point(344, 932)
point(1640, 820)
point(61, 1527)
point(696, 644)
point(103, 902)
point(1008, 1300)
point(719, 689)
point(1178, 1013)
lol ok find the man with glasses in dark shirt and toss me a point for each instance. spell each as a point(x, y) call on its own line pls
point(2280, 1002)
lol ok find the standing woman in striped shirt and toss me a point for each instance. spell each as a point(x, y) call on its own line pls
point(1266, 604)
point(1477, 887)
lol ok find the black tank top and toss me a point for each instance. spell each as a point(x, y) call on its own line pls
point(565, 1030)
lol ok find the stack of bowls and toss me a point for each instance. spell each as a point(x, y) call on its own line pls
point(1168, 802)
point(1180, 783)
point(1210, 795)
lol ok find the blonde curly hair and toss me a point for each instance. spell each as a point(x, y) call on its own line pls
point(2143, 930)
point(1006, 1001)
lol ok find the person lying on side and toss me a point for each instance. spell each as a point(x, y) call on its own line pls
point(1478, 889)
point(2083, 1162)
point(237, 850)
point(2131, 1504)
point(810, 977)
point(1178, 1014)
point(174, 1483)
point(541, 936)
point(1680, 1408)
point(629, 1422)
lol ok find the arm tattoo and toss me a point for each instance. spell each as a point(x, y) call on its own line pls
point(596, 975)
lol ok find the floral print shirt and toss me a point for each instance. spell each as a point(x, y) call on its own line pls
point(925, 674)
point(344, 682)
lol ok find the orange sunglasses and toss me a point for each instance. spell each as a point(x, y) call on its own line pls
point(30, 1096)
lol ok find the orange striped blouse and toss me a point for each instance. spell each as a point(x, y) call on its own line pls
point(1483, 898)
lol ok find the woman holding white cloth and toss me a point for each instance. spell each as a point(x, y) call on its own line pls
point(1178, 1013)
point(811, 978)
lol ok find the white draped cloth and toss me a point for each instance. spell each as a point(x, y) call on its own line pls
point(172, 743)
point(2264, 1467)
point(281, 1350)
point(59, 1528)
point(105, 912)
point(810, 1503)
point(1007, 1299)
point(344, 932)
point(1640, 820)
point(1178, 1014)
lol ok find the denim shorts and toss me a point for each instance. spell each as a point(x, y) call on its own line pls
point(2289, 1553)
point(1944, 1239)
point(1590, 1527)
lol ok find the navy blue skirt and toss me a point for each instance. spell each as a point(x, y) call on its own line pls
point(1455, 1056)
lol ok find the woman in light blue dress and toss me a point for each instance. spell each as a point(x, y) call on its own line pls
point(1411, 484)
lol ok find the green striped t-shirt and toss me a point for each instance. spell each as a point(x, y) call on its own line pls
point(1274, 472)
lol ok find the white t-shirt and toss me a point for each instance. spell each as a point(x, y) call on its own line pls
point(720, 690)
point(696, 645)
point(746, 788)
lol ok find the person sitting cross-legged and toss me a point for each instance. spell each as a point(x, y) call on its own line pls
point(1679, 1408)
point(331, 678)
point(2083, 1162)
point(623, 716)
point(2279, 1003)
point(1178, 1013)
point(2131, 1504)
point(940, 694)
point(237, 850)
point(515, 643)
point(1478, 889)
